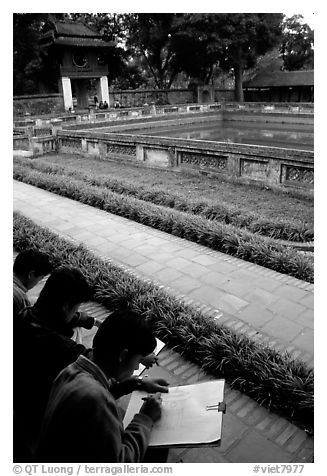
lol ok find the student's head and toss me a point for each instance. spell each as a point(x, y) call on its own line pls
point(65, 289)
point(31, 266)
point(121, 342)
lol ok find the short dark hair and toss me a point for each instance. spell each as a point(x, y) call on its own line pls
point(123, 329)
point(32, 260)
point(65, 285)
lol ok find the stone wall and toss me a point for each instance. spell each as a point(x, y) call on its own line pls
point(278, 168)
point(35, 105)
point(140, 97)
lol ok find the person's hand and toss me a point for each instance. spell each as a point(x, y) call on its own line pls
point(152, 406)
point(155, 385)
point(149, 360)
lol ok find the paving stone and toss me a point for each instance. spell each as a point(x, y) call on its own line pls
point(246, 408)
point(287, 308)
point(213, 279)
point(203, 455)
point(233, 429)
point(204, 259)
point(240, 402)
point(261, 296)
point(258, 413)
point(291, 292)
point(208, 295)
point(182, 368)
point(267, 282)
point(308, 300)
point(306, 318)
point(231, 304)
point(134, 260)
point(237, 287)
point(305, 340)
point(222, 267)
point(297, 441)
point(305, 455)
point(150, 267)
point(254, 448)
point(165, 361)
point(185, 284)
point(276, 428)
point(167, 275)
point(289, 431)
point(282, 328)
point(195, 270)
point(255, 315)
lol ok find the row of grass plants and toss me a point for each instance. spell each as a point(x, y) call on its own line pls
point(279, 229)
point(215, 235)
point(277, 381)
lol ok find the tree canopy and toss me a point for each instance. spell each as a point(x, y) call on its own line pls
point(158, 49)
point(297, 44)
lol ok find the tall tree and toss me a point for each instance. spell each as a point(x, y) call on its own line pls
point(27, 56)
point(297, 44)
point(230, 42)
point(150, 36)
point(246, 36)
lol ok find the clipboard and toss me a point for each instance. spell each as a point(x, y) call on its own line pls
point(191, 415)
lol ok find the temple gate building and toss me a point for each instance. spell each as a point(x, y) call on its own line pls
point(80, 53)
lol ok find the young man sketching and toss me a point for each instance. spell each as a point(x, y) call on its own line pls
point(83, 422)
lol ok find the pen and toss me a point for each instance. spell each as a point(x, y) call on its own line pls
point(145, 399)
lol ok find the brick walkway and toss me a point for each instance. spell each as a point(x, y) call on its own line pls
point(266, 305)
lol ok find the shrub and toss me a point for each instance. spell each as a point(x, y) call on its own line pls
point(223, 212)
point(226, 238)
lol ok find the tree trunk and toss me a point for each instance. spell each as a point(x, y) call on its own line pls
point(238, 74)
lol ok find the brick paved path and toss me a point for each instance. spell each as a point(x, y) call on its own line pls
point(267, 305)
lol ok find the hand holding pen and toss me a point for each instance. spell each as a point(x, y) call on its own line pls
point(152, 406)
point(150, 360)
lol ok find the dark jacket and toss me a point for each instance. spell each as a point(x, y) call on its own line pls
point(83, 422)
point(42, 348)
point(19, 296)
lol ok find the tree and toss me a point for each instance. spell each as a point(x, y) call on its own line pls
point(297, 44)
point(228, 42)
point(150, 36)
point(246, 36)
point(28, 57)
point(197, 46)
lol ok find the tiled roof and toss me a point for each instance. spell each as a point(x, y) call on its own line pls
point(72, 33)
point(76, 41)
point(74, 29)
point(281, 78)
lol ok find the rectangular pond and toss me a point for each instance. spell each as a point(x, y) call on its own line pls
point(289, 136)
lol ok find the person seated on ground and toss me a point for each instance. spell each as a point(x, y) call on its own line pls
point(43, 346)
point(83, 422)
point(117, 105)
point(105, 105)
point(101, 105)
point(30, 266)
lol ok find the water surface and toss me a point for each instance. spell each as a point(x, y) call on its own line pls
point(290, 136)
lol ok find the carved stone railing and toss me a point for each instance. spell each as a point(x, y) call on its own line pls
point(276, 167)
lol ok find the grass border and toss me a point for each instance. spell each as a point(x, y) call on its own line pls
point(218, 211)
point(224, 238)
point(277, 381)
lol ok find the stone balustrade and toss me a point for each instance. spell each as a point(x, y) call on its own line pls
point(276, 167)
